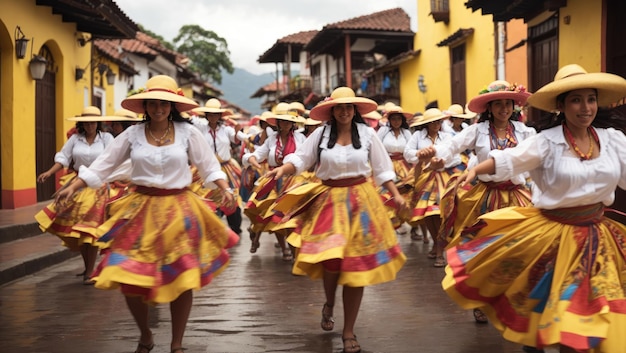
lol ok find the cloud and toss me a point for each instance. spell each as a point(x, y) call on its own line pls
point(251, 27)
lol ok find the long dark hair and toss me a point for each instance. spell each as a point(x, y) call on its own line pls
point(356, 140)
point(174, 114)
point(605, 117)
point(404, 124)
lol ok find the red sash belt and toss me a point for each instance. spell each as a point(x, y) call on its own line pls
point(503, 186)
point(577, 216)
point(147, 190)
point(397, 156)
point(345, 182)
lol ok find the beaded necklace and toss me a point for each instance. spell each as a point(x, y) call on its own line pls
point(508, 141)
point(592, 136)
point(163, 139)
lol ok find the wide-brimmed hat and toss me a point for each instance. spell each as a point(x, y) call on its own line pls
point(341, 95)
point(374, 115)
point(430, 115)
point(213, 105)
point(498, 90)
point(123, 115)
point(299, 107)
point(282, 112)
point(160, 87)
point(456, 111)
point(396, 109)
point(611, 88)
point(89, 114)
point(312, 122)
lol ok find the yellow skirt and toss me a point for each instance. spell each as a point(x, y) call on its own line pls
point(215, 197)
point(347, 223)
point(424, 198)
point(461, 206)
point(75, 222)
point(542, 281)
point(263, 197)
point(162, 245)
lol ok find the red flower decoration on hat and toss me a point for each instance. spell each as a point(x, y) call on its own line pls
point(180, 92)
point(498, 87)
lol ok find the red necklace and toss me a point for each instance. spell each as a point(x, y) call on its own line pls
point(592, 136)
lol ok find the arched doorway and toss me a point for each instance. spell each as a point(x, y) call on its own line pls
point(45, 126)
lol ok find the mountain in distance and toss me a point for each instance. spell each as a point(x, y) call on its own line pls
point(239, 86)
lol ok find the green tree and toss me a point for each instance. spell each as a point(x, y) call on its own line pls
point(207, 51)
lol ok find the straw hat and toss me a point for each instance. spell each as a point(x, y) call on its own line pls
point(312, 122)
point(213, 105)
point(160, 87)
point(123, 115)
point(611, 88)
point(456, 111)
point(396, 109)
point(341, 95)
point(89, 114)
point(430, 115)
point(498, 90)
point(374, 115)
point(299, 107)
point(282, 112)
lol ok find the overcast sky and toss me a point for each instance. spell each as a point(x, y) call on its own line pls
point(251, 27)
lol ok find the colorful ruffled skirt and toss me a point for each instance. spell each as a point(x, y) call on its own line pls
point(162, 243)
point(263, 197)
point(342, 222)
point(425, 196)
point(76, 220)
point(215, 197)
point(545, 277)
point(461, 206)
point(249, 176)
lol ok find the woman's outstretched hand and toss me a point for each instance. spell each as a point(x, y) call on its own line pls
point(275, 173)
point(467, 177)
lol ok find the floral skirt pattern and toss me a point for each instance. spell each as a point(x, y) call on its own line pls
point(461, 206)
point(162, 245)
point(347, 223)
point(545, 277)
point(75, 221)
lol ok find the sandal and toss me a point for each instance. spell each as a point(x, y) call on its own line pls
point(179, 349)
point(354, 346)
point(480, 317)
point(144, 348)
point(88, 281)
point(415, 235)
point(432, 254)
point(439, 262)
point(287, 255)
point(328, 322)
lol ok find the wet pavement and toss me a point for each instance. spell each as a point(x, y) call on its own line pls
point(255, 305)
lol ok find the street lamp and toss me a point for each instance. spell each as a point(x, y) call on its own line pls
point(21, 42)
point(420, 84)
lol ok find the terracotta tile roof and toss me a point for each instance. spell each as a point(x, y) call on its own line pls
point(277, 52)
point(109, 48)
point(388, 20)
point(270, 88)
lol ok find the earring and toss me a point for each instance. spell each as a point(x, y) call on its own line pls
point(170, 117)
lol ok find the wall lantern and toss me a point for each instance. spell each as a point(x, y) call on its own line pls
point(110, 75)
point(37, 66)
point(21, 42)
point(420, 84)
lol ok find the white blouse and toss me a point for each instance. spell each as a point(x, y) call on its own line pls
point(477, 137)
point(80, 151)
point(421, 140)
point(393, 143)
point(224, 136)
point(341, 162)
point(561, 178)
point(165, 167)
point(267, 151)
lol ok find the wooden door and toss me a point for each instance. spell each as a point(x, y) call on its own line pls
point(544, 55)
point(45, 127)
point(457, 75)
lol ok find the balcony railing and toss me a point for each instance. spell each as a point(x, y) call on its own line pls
point(440, 10)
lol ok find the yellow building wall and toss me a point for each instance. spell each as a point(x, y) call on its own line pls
point(580, 41)
point(434, 62)
point(18, 92)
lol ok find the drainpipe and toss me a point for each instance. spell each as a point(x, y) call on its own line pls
point(500, 62)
